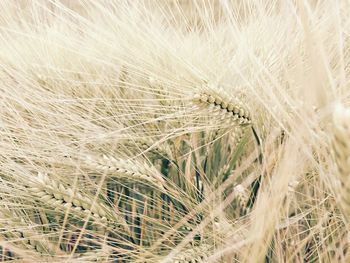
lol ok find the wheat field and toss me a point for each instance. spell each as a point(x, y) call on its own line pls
point(174, 131)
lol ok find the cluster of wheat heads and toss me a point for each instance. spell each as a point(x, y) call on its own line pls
point(174, 131)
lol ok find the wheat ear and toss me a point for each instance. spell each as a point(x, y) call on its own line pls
point(98, 255)
point(59, 196)
point(149, 146)
point(223, 107)
point(242, 195)
point(193, 254)
point(15, 228)
point(341, 147)
point(127, 169)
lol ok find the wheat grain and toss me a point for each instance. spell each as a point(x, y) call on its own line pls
point(292, 185)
